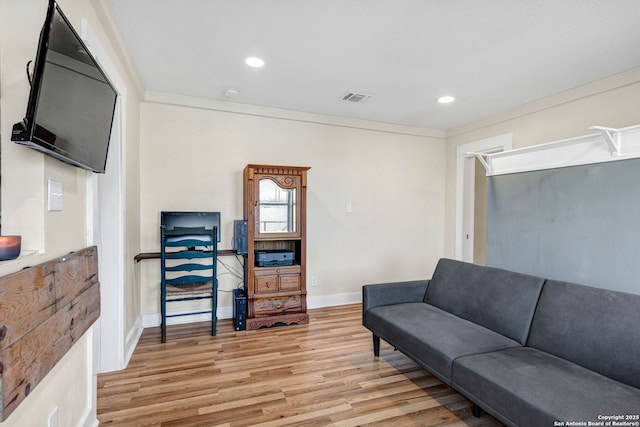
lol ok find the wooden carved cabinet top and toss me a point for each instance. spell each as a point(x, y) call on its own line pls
point(275, 209)
point(273, 200)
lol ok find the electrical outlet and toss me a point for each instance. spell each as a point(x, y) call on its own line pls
point(314, 281)
point(52, 420)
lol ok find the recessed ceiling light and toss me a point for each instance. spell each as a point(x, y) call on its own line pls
point(231, 92)
point(254, 62)
point(446, 99)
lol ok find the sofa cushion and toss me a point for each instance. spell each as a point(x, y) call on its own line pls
point(527, 387)
point(595, 328)
point(501, 300)
point(431, 336)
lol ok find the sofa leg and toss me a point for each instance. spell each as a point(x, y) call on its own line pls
point(477, 411)
point(376, 345)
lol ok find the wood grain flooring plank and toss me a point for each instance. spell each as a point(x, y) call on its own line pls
point(320, 374)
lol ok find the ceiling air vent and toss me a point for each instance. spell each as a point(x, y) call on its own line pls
point(358, 98)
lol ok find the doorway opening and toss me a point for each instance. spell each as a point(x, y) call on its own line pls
point(471, 178)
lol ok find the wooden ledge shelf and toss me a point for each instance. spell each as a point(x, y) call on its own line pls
point(45, 310)
point(156, 255)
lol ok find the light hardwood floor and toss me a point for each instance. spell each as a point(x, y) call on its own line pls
point(319, 374)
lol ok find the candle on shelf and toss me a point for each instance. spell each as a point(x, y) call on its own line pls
point(9, 247)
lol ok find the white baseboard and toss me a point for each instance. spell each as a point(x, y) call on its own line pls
point(132, 339)
point(333, 300)
point(226, 312)
point(89, 421)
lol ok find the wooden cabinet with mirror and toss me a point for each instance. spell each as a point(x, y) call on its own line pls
point(275, 209)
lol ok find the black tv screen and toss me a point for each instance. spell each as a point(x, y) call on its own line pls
point(71, 103)
point(171, 219)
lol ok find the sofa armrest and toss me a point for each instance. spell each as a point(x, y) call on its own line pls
point(379, 294)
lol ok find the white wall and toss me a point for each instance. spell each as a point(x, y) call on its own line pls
point(47, 235)
point(193, 155)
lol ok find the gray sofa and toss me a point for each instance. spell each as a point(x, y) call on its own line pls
point(529, 351)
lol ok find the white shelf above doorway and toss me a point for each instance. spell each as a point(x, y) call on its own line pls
point(607, 145)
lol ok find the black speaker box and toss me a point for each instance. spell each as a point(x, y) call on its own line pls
point(239, 309)
point(240, 236)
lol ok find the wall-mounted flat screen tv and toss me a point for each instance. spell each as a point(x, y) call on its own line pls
point(71, 103)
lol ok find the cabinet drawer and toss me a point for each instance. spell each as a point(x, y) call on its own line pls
point(266, 284)
point(277, 305)
point(277, 279)
point(290, 282)
point(271, 271)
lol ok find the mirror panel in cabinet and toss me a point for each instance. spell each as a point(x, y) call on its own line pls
point(277, 210)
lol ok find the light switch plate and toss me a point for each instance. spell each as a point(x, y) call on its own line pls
point(54, 195)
